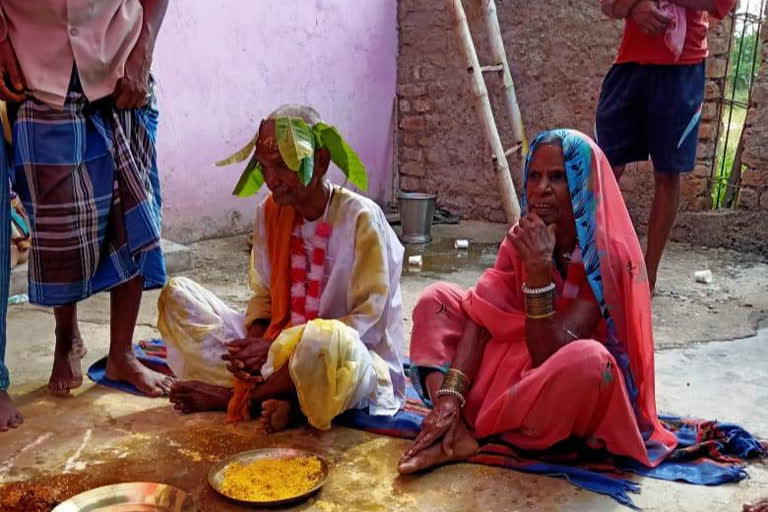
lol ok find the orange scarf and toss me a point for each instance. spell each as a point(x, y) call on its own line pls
point(279, 222)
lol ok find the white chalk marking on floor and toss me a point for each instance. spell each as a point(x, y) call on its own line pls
point(72, 463)
point(6, 466)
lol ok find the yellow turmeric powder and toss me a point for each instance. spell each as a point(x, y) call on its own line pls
point(271, 479)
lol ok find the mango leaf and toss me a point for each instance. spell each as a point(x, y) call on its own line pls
point(251, 180)
point(294, 140)
point(240, 155)
point(342, 155)
point(306, 169)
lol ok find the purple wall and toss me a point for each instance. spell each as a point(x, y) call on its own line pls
point(222, 66)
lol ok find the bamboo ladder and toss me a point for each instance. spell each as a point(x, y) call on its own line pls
point(482, 101)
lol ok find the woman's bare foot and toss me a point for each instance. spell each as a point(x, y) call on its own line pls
point(194, 396)
point(277, 415)
point(126, 368)
point(10, 417)
point(67, 374)
point(464, 446)
point(760, 506)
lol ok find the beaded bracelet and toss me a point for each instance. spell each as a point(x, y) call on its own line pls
point(538, 291)
point(451, 392)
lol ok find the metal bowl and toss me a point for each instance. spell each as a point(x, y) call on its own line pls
point(216, 475)
point(130, 497)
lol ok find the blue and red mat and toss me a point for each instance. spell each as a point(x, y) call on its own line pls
point(708, 452)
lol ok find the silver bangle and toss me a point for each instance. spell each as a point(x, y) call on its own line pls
point(538, 291)
point(451, 392)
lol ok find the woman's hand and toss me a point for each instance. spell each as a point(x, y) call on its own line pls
point(535, 241)
point(246, 357)
point(439, 423)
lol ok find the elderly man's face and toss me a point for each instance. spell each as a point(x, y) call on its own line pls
point(284, 183)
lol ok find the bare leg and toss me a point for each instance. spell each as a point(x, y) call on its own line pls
point(464, 445)
point(278, 413)
point(66, 373)
point(122, 364)
point(666, 200)
point(10, 417)
point(194, 396)
point(760, 506)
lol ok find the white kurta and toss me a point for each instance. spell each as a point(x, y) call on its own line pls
point(361, 289)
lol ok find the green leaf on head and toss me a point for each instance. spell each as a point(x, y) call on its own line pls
point(306, 169)
point(251, 180)
point(294, 140)
point(240, 155)
point(342, 155)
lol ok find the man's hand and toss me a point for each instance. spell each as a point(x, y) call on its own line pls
point(132, 90)
point(10, 72)
point(649, 17)
point(246, 357)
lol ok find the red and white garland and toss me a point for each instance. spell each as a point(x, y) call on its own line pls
point(307, 286)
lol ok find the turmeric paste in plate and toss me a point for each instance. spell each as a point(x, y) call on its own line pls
point(271, 479)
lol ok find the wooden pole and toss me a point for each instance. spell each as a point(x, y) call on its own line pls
point(499, 56)
point(484, 111)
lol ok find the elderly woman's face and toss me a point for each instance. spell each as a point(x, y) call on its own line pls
point(547, 187)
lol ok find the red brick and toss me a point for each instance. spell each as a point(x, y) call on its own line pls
point(413, 169)
point(422, 106)
point(412, 154)
point(757, 178)
point(412, 90)
point(410, 140)
point(405, 106)
point(410, 184)
point(748, 199)
point(412, 123)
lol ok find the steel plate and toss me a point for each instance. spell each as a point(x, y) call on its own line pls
point(130, 497)
point(216, 474)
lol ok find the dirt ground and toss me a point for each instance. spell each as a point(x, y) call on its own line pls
point(711, 362)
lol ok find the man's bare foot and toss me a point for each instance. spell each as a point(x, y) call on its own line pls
point(194, 396)
point(129, 369)
point(464, 446)
point(10, 417)
point(759, 506)
point(277, 415)
point(67, 374)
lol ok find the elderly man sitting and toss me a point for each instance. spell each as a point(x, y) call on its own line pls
point(323, 329)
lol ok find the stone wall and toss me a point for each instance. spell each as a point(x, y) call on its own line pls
point(754, 180)
point(559, 53)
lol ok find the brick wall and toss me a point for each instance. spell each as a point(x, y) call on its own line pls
point(754, 192)
point(559, 53)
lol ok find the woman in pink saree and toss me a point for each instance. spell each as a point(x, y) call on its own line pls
point(555, 341)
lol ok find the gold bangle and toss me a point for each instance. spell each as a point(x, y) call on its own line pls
point(454, 370)
point(455, 380)
point(541, 317)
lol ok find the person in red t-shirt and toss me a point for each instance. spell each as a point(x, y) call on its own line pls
point(651, 100)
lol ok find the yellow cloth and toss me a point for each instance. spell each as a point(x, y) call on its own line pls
point(196, 327)
point(331, 368)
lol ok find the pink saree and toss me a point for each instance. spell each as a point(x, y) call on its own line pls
point(600, 390)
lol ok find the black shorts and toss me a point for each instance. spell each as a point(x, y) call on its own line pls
point(651, 110)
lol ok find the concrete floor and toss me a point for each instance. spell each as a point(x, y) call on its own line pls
point(98, 436)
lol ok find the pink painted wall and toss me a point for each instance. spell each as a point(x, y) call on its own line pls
point(223, 65)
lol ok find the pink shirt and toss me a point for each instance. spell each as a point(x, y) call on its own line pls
point(50, 36)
